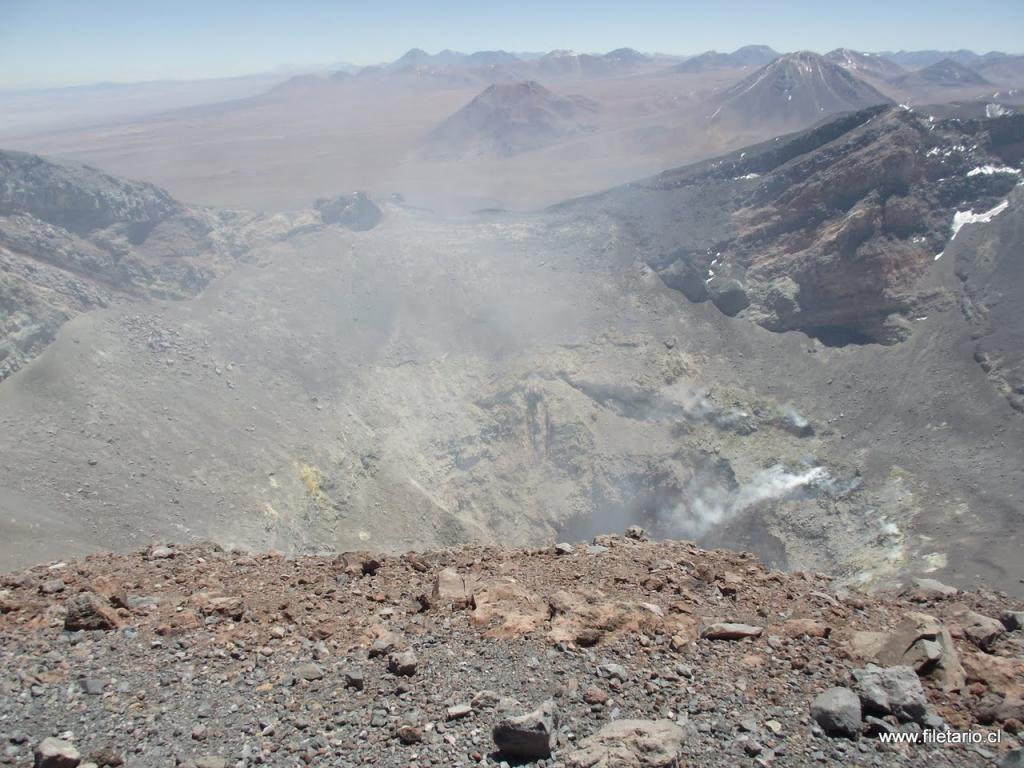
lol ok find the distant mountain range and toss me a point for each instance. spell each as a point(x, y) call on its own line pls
point(747, 56)
point(865, 64)
point(946, 73)
point(921, 59)
point(456, 69)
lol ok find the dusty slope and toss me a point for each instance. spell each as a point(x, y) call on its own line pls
point(230, 659)
point(499, 379)
point(522, 378)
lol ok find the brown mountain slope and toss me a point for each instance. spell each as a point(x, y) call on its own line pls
point(511, 118)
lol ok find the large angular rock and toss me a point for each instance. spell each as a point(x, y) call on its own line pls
point(588, 617)
point(356, 211)
point(630, 744)
point(921, 642)
point(891, 691)
point(359, 563)
point(926, 590)
point(730, 631)
point(1000, 674)
point(453, 588)
point(513, 609)
point(838, 712)
point(1012, 620)
point(89, 611)
point(530, 736)
point(403, 664)
point(865, 645)
point(728, 294)
point(309, 672)
point(1010, 708)
point(56, 753)
point(981, 630)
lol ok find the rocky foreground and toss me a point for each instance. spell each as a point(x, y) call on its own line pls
point(624, 652)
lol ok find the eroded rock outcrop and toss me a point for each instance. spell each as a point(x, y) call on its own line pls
point(356, 211)
point(73, 238)
point(828, 231)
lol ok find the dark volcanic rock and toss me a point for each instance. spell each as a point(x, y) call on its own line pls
point(356, 211)
point(529, 736)
point(76, 197)
point(403, 664)
point(89, 611)
point(837, 711)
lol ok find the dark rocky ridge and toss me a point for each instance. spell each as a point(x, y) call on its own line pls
point(78, 198)
point(356, 211)
point(827, 231)
point(990, 265)
point(73, 238)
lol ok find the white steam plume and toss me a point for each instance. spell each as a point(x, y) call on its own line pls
point(712, 505)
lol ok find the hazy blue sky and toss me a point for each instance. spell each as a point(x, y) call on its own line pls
point(77, 41)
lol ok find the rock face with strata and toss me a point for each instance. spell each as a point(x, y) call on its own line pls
point(828, 231)
point(987, 261)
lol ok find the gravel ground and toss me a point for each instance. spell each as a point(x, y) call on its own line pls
point(217, 658)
